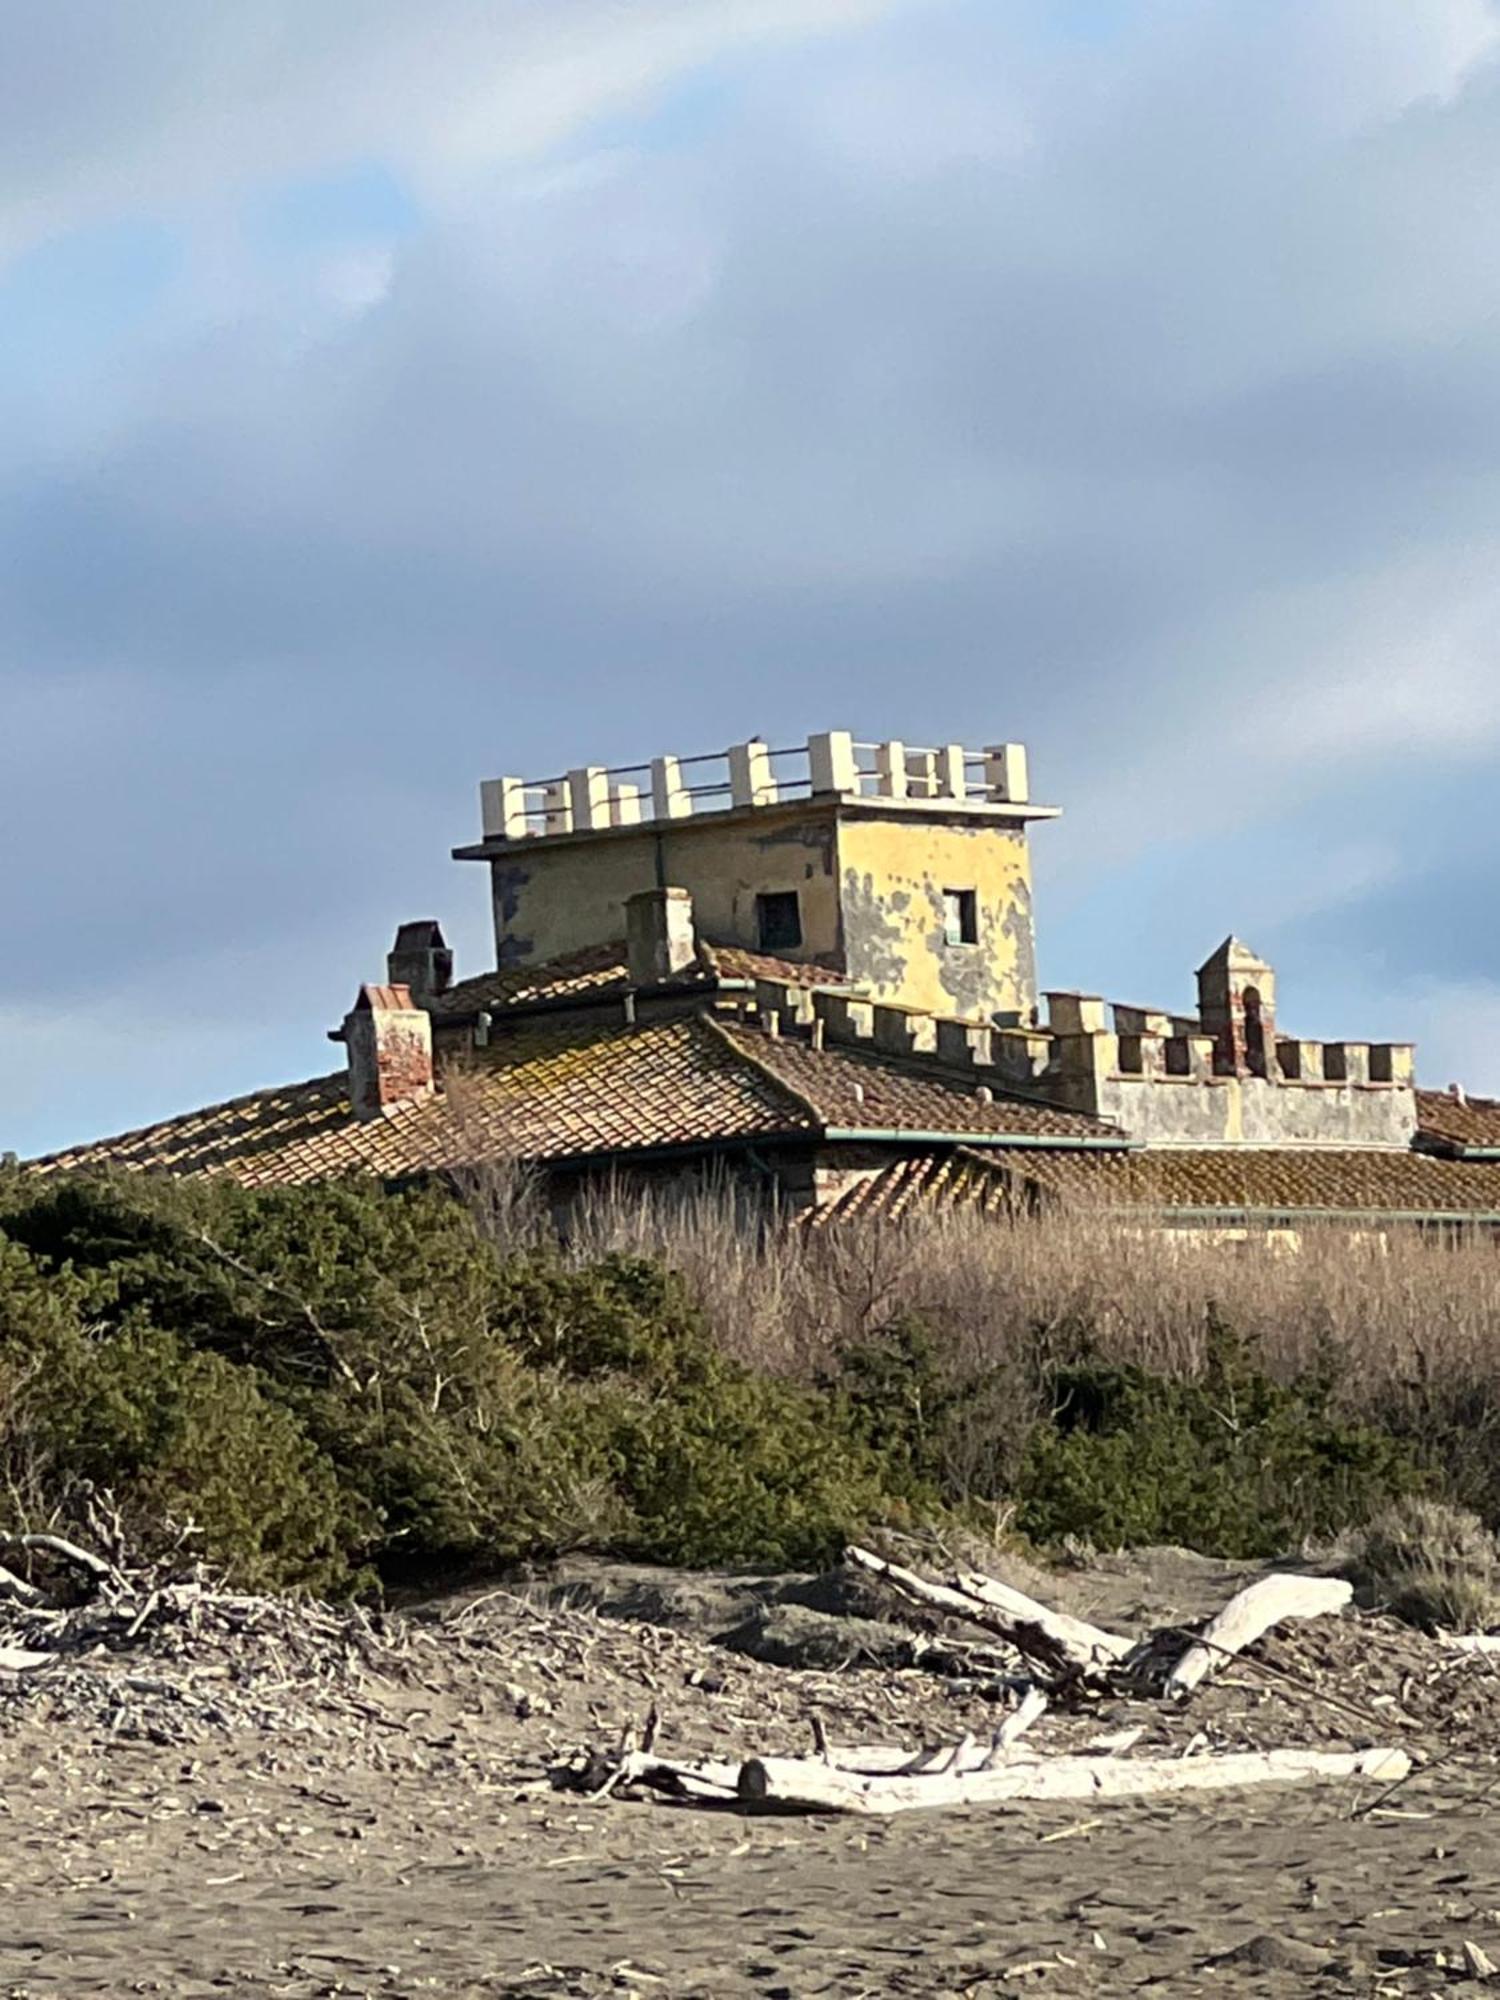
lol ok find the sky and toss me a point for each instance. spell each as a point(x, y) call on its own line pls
point(395, 396)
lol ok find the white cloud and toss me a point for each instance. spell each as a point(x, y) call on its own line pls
point(106, 109)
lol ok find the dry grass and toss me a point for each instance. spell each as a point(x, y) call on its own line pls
point(1409, 1311)
point(1406, 1326)
point(1430, 1564)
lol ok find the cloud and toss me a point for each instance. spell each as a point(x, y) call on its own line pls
point(395, 396)
point(104, 110)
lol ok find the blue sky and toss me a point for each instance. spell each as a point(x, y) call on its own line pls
point(393, 396)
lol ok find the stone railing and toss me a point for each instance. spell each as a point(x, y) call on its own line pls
point(835, 764)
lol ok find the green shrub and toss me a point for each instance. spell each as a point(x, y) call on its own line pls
point(1230, 1463)
point(1431, 1564)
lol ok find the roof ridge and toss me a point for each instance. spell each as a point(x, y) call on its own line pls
point(721, 1034)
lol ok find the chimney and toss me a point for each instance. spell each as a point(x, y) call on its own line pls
point(420, 960)
point(659, 938)
point(389, 1041)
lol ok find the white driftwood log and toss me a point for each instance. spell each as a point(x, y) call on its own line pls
point(17, 1587)
point(17, 1660)
point(1090, 1644)
point(1056, 1642)
point(68, 1552)
point(1249, 1615)
point(803, 1784)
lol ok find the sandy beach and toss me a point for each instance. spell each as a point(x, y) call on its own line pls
point(226, 1824)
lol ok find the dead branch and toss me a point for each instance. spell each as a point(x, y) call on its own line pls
point(1065, 1648)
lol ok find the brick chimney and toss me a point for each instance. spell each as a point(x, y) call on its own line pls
point(659, 937)
point(420, 960)
point(389, 1040)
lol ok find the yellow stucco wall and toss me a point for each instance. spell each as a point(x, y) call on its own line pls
point(870, 891)
point(892, 875)
point(556, 897)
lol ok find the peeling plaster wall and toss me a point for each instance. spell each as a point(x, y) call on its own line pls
point(559, 896)
point(893, 874)
point(1251, 1111)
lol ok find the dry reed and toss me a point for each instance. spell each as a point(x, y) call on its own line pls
point(1404, 1312)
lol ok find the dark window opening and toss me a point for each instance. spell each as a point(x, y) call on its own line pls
point(960, 916)
point(778, 920)
point(1255, 1032)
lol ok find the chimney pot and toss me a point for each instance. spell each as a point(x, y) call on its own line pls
point(420, 960)
point(660, 941)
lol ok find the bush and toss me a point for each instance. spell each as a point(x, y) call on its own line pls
point(335, 1380)
point(328, 1377)
point(1229, 1463)
point(1434, 1565)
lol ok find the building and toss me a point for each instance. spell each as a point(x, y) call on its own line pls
point(815, 969)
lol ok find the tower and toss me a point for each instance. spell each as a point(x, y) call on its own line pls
point(1237, 1006)
point(901, 867)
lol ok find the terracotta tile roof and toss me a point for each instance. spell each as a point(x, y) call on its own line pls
point(1270, 1182)
point(594, 971)
point(549, 1091)
point(733, 961)
point(221, 1136)
point(1457, 1122)
point(959, 1179)
point(543, 1092)
point(600, 970)
point(850, 1090)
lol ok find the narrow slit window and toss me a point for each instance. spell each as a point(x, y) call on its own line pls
point(778, 920)
point(960, 916)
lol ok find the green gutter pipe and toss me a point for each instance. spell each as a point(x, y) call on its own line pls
point(1021, 1141)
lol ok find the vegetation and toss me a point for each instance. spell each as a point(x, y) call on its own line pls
point(1431, 1564)
point(331, 1384)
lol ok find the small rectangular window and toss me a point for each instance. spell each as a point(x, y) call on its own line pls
point(778, 920)
point(960, 916)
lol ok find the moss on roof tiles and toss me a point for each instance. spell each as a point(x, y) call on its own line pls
point(1458, 1121)
point(852, 1090)
point(1275, 1181)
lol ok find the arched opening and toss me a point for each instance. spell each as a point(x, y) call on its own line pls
point(1255, 1031)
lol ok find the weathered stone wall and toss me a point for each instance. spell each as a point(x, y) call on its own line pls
point(1236, 1110)
point(893, 875)
point(870, 893)
point(560, 895)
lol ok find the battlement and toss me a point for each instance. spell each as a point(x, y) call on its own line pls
point(1253, 1085)
point(597, 798)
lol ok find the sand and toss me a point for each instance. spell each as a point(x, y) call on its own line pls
point(228, 1826)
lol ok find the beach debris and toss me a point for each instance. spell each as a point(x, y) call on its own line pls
point(878, 1780)
point(1067, 1652)
point(1064, 1648)
point(1252, 1613)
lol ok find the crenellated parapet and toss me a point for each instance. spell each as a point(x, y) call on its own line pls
point(1226, 1078)
point(1159, 1076)
point(596, 798)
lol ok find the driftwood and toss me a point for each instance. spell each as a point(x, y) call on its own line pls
point(1066, 1651)
point(1249, 1616)
point(805, 1784)
point(965, 1775)
point(17, 1589)
point(1064, 1647)
point(92, 1566)
point(18, 1660)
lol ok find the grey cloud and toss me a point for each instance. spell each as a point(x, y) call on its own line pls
point(1159, 431)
